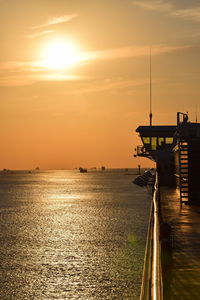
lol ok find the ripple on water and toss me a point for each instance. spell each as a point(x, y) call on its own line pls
point(66, 235)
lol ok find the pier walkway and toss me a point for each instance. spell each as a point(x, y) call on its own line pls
point(183, 279)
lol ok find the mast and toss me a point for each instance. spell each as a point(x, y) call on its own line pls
point(196, 113)
point(150, 90)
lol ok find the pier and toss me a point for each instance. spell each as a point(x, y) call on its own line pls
point(172, 259)
point(184, 270)
point(172, 268)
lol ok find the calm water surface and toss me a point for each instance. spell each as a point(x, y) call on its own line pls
point(67, 235)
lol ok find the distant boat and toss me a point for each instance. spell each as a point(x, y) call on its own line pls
point(83, 170)
point(6, 170)
point(103, 168)
point(37, 168)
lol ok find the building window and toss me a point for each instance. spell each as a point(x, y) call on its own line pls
point(153, 143)
point(168, 140)
point(146, 140)
point(160, 141)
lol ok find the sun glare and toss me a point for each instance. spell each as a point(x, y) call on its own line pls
point(61, 54)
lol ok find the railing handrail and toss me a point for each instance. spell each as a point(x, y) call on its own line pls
point(152, 273)
point(157, 293)
point(146, 285)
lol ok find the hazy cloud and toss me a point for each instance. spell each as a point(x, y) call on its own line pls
point(107, 54)
point(135, 51)
point(27, 73)
point(37, 34)
point(20, 66)
point(23, 73)
point(28, 79)
point(157, 5)
point(107, 85)
point(191, 14)
point(57, 20)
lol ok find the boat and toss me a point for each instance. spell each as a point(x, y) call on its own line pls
point(82, 170)
point(145, 179)
point(172, 258)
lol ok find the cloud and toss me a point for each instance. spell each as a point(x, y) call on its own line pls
point(107, 54)
point(57, 20)
point(157, 5)
point(37, 34)
point(107, 85)
point(27, 72)
point(20, 66)
point(190, 14)
point(135, 51)
point(16, 80)
point(28, 79)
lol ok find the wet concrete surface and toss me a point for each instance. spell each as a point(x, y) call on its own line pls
point(183, 278)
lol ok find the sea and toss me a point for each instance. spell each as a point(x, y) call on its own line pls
point(71, 235)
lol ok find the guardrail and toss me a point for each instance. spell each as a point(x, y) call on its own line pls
point(152, 274)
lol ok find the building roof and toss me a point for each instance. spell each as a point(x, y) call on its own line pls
point(166, 130)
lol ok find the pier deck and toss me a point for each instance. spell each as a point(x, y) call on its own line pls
point(183, 279)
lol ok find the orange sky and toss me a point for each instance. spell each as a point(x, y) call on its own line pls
point(85, 111)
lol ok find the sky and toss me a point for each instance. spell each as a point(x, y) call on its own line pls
point(74, 78)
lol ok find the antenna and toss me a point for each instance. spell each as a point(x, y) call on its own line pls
point(196, 113)
point(150, 90)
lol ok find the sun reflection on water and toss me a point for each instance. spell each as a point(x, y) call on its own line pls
point(69, 236)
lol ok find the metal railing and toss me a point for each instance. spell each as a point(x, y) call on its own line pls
point(143, 151)
point(152, 274)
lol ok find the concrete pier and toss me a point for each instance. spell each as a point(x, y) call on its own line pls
point(183, 267)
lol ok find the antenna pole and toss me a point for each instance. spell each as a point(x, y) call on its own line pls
point(196, 114)
point(150, 90)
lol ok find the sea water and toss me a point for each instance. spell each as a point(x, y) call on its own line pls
point(71, 235)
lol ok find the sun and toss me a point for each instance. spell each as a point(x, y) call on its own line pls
point(60, 54)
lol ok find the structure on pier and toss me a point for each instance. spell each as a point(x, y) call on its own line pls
point(172, 258)
point(176, 151)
